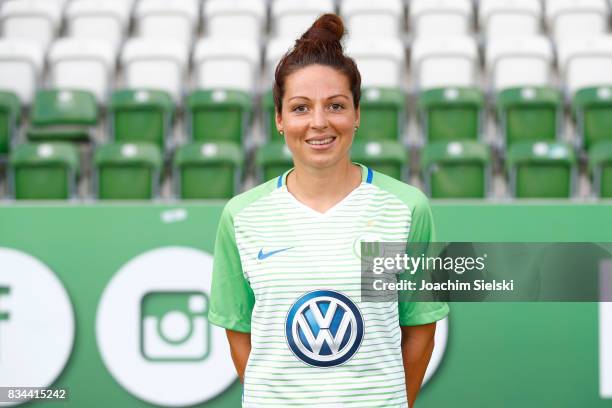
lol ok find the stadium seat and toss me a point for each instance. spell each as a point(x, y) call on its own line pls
point(82, 64)
point(585, 62)
point(35, 21)
point(235, 19)
point(141, 116)
point(163, 19)
point(444, 62)
point(127, 171)
point(529, 114)
point(10, 114)
point(221, 63)
point(21, 64)
point(269, 112)
point(382, 114)
point(207, 170)
point(576, 18)
point(541, 170)
point(275, 49)
point(155, 64)
point(519, 61)
point(456, 169)
point(382, 18)
point(62, 115)
point(290, 18)
point(380, 60)
point(218, 115)
point(501, 18)
point(45, 171)
point(592, 109)
point(98, 20)
point(384, 156)
point(600, 164)
point(429, 18)
point(451, 113)
point(273, 159)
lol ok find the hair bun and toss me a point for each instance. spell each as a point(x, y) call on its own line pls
point(328, 27)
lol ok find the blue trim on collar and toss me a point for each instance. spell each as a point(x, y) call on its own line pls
point(279, 184)
point(370, 176)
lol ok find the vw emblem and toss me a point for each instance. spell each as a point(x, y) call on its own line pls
point(324, 328)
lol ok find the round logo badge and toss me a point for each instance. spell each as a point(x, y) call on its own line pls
point(324, 328)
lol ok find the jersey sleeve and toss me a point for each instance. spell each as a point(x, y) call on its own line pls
point(421, 231)
point(231, 298)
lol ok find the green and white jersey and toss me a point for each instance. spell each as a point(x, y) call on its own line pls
point(292, 278)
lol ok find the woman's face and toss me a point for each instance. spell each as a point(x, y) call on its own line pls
point(318, 116)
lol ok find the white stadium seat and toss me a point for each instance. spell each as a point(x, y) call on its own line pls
point(226, 63)
point(519, 61)
point(291, 18)
point(572, 18)
point(165, 19)
point(585, 62)
point(510, 17)
point(444, 61)
point(380, 60)
point(440, 17)
point(36, 21)
point(82, 64)
point(20, 66)
point(275, 49)
point(367, 17)
point(100, 20)
point(235, 19)
point(155, 64)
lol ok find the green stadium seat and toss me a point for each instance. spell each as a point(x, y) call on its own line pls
point(141, 116)
point(44, 171)
point(382, 114)
point(529, 114)
point(269, 117)
point(127, 171)
point(62, 115)
point(451, 113)
point(383, 156)
point(219, 115)
point(208, 170)
point(273, 159)
point(592, 108)
point(457, 169)
point(600, 165)
point(541, 169)
point(10, 113)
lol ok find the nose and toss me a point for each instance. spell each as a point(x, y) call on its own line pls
point(319, 118)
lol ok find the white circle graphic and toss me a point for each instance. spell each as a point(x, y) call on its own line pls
point(36, 322)
point(128, 329)
point(440, 341)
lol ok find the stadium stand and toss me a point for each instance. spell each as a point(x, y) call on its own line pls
point(475, 99)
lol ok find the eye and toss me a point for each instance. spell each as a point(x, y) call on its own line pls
point(300, 109)
point(336, 107)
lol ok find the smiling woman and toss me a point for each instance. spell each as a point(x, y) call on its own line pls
point(286, 276)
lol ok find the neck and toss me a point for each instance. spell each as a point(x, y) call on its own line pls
point(323, 187)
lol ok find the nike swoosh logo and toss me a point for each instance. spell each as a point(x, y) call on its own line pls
point(263, 255)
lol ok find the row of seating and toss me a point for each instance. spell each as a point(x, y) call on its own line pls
point(125, 171)
point(40, 20)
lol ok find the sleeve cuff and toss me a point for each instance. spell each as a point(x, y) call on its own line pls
point(426, 318)
point(226, 322)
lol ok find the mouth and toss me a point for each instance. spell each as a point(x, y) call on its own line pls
point(321, 141)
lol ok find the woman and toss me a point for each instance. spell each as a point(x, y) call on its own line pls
point(286, 277)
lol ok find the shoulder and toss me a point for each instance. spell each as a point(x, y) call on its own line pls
point(411, 196)
point(238, 203)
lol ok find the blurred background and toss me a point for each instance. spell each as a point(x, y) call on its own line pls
point(126, 124)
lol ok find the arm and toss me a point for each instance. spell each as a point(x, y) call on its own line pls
point(417, 346)
point(240, 347)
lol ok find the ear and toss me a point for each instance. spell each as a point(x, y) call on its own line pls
point(358, 116)
point(279, 120)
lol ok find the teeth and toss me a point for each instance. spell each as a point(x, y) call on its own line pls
point(320, 142)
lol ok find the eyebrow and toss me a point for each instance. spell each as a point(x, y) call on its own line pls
point(331, 97)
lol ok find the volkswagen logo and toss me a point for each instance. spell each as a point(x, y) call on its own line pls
point(324, 328)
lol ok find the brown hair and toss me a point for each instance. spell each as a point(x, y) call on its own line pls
point(320, 44)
